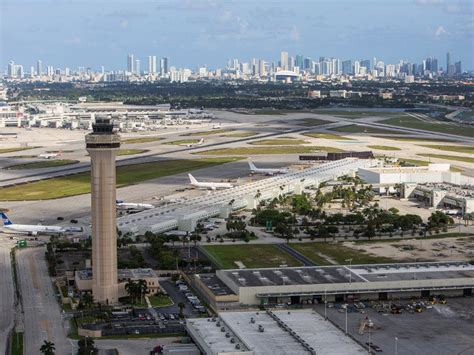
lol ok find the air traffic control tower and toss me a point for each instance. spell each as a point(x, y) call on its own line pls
point(102, 145)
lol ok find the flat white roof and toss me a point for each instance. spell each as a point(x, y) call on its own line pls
point(284, 332)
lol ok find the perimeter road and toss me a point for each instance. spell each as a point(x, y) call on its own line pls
point(7, 298)
point(42, 315)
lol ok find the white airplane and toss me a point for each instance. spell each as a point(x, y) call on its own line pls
point(209, 185)
point(266, 171)
point(201, 141)
point(49, 155)
point(121, 205)
point(216, 126)
point(36, 229)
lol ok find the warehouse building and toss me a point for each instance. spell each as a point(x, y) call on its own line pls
point(234, 289)
point(390, 176)
point(270, 332)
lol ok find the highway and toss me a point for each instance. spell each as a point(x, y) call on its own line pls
point(42, 315)
point(7, 300)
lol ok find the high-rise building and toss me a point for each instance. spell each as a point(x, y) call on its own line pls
point(39, 68)
point(11, 71)
point(347, 67)
point(137, 66)
point(458, 68)
point(366, 63)
point(130, 63)
point(307, 63)
point(102, 145)
point(356, 67)
point(152, 64)
point(284, 60)
point(299, 61)
point(448, 62)
point(164, 66)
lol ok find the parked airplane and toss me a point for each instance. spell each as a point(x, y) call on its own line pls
point(201, 141)
point(36, 229)
point(209, 185)
point(49, 155)
point(121, 205)
point(266, 171)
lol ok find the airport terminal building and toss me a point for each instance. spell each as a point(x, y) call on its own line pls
point(242, 288)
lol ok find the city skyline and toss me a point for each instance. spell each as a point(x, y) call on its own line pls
point(209, 32)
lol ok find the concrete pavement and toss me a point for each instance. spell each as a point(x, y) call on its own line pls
point(7, 297)
point(42, 316)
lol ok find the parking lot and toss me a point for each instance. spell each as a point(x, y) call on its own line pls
point(439, 329)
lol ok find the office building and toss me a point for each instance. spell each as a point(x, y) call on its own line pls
point(39, 68)
point(137, 67)
point(356, 67)
point(152, 64)
point(284, 61)
point(448, 61)
point(102, 145)
point(164, 66)
point(130, 63)
point(347, 67)
point(457, 68)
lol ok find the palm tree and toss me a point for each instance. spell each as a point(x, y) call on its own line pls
point(88, 300)
point(48, 348)
point(142, 288)
point(131, 288)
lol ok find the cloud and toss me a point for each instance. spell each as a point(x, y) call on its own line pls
point(74, 41)
point(440, 31)
point(123, 24)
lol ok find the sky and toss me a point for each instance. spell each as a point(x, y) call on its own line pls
point(193, 33)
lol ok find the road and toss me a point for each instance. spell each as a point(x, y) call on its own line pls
point(7, 300)
point(42, 316)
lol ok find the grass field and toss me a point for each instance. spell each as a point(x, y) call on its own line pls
point(338, 253)
point(310, 122)
point(207, 133)
point(327, 136)
point(141, 140)
point(126, 175)
point(131, 151)
point(280, 141)
point(242, 134)
point(364, 129)
point(11, 150)
point(414, 139)
point(17, 344)
point(160, 300)
point(251, 255)
point(451, 148)
point(42, 164)
point(182, 141)
point(383, 147)
point(448, 157)
point(412, 122)
point(268, 150)
point(355, 114)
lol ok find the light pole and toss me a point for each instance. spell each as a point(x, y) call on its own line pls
point(350, 272)
point(346, 318)
point(396, 346)
point(325, 306)
point(369, 344)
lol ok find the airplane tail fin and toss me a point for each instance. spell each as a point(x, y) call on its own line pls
point(201, 141)
point(6, 220)
point(192, 179)
point(252, 166)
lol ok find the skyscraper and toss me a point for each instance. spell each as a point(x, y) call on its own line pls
point(39, 68)
point(458, 68)
point(164, 66)
point(130, 63)
point(137, 66)
point(356, 67)
point(347, 67)
point(102, 145)
point(284, 60)
point(448, 61)
point(152, 64)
